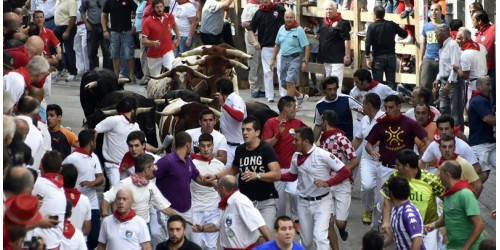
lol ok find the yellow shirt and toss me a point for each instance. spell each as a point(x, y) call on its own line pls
point(64, 10)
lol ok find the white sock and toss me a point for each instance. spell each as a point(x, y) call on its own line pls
point(408, 8)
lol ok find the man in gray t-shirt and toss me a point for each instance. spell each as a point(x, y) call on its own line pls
point(90, 11)
point(212, 21)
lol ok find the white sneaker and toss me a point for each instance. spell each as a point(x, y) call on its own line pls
point(301, 101)
point(70, 78)
point(64, 73)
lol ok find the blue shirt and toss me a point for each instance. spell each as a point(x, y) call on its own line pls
point(342, 106)
point(406, 223)
point(271, 245)
point(138, 16)
point(432, 45)
point(291, 41)
point(173, 179)
point(480, 132)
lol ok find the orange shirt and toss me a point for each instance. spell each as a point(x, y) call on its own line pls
point(430, 128)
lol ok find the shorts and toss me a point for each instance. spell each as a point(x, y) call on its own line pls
point(341, 195)
point(122, 45)
point(290, 68)
point(486, 155)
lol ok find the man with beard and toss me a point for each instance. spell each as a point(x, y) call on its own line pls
point(62, 138)
point(157, 36)
point(176, 236)
point(89, 178)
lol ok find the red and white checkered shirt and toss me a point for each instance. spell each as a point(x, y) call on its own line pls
point(340, 146)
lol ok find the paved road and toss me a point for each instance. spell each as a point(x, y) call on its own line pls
point(67, 95)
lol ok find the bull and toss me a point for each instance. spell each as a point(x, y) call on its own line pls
point(179, 77)
point(95, 85)
point(221, 49)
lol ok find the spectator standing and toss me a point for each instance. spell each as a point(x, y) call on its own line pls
point(176, 236)
point(80, 43)
point(124, 224)
point(212, 21)
point(294, 49)
point(429, 51)
point(157, 36)
point(334, 36)
point(384, 50)
point(65, 20)
point(240, 224)
point(255, 74)
point(89, 178)
point(266, 25)
point(121, 40)
point(90, 12)
point(425, 118)
point(461, 213)
point(81, 213)
point(48, 8)
point(482, 122)
point(62, 139)
point(486, 37)
point(186, 20)
point(138, 29)
point(73, 237)
point(207, 123)
point(284, 233)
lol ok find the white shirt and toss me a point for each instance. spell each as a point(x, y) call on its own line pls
point(182, 13)
point(382, 90)
point(54, 204)
point(87, 168)
point(127, 235)
point(220, 142)
point(116, 129)
point(318, 165)
point(205, 198)
point(410, 113)
point(47, 6)
point(248, 13)
point(46, 145)
point(461, 148)
point(449, 56)
point(34, 140)
point(474, 61)
point(15, 84)
point(239, 222)
point(81, 212)
point(77, 242)
point(143, 197)
point(365, 127)
point(231, 128)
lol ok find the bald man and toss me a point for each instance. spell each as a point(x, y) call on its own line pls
point(12, 22)
point(18, 81)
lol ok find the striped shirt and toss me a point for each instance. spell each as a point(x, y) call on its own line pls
point(406, 224)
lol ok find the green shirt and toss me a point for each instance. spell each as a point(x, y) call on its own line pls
point(457, 208)
point(424, 189)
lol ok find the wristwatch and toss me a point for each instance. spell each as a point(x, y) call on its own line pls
point(257, 176)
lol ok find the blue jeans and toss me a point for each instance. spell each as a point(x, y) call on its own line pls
point(391, 6)
point(385, 64)
point(50, 24)
point(93, 237)
point(122, 45)
point(182, 46)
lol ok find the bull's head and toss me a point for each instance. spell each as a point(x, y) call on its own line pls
point(216, 50)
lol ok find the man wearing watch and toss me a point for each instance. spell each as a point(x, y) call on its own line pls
point(258, 166)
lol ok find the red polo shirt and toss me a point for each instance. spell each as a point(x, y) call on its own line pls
point(48, 38)
point(486, 37)
point(159, 28)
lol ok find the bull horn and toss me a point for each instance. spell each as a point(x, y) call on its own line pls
point(197, 51)
point(143, 110)
point(123, 80)
point(235, 63)
point(160, 101)
point(165, 113)
point(197, 62)
point(216, 112)
point(238, 53)
point(110, 112)
point(200, 75)
point(206, 100)
point(161, 76)
point(91, 85)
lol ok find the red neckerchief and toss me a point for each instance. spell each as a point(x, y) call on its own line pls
point(223, 201)
point(138, 180)
point(476, 93)
point(453, 34)
point(120, 218)
point(481, 31)
point(57, 179)
point(26, 75)
point(267, 8)
point(431, 119)
point(330, 22)
point(83, 151)
point(127, 162)
point(372, 85)
point(73, 195)
point(461, 184)
point(470, 45)
point(254, 1)
point(329, 133)
point(386, 118)
point(69, 229)
point(293, 26)
point(302, 158)
point(201, 158)
point(6, 237)
point(441, 160)
point(456, 130)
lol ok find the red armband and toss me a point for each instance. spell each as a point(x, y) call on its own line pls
point(343, 174)
point(234, 113)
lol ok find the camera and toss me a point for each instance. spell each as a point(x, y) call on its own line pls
point(33, 244)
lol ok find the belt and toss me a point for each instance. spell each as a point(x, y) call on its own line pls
point(79, 23)
point(317, 198)
point(233, 144)
point(294, 55)
point(50, 18)
point(113, 162)
point(388, 166)
point(472, 80)
point(445, 78)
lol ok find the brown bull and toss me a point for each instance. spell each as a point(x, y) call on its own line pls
point(180, 77)
point(221, 49)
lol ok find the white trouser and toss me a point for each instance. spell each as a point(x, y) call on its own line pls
point(154, 64)
point(314, 219)
point(47, 89)
point(341, 196)
point(368, 171)
point(206, 241)
point(266, 56)
point(283, 188)
point(335, 69)
point(81, 51)
point(230, 155)
point(267, 209)
point(486, 155)
point(470, 88)
point(430, 239)
point(112, 172)
point(383, 174)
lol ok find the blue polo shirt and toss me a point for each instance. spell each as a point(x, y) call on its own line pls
point(480, 132)
point(342, 106)
point(291, 41)
point(173, 178)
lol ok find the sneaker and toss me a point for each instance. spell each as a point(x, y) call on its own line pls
point(270, 100)
point(304, 98)
point(69, 78)
point(361, 33)
point(133, 80)
point(296, 225)
point(344, 234)
point(405, 14)
point(63, 74)
point(412, 13)
point(367, 218)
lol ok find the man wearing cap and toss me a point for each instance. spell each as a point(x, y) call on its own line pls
point(20, 212)
point(8, 62)
point(19, 80)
